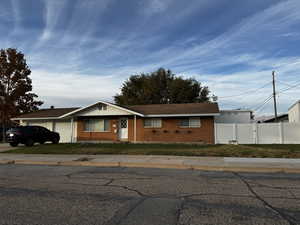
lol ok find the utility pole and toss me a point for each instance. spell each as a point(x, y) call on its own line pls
point(274, 96)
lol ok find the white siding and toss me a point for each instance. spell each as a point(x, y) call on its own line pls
point(294, 113)
point(64, 130)
point(110, 111)
point(47, 124)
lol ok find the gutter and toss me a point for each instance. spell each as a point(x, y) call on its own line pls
point(39, 118)
point(181, 115)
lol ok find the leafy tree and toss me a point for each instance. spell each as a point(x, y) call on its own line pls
point(15, 86)
point(161, 87)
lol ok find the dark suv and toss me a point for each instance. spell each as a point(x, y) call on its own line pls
point(29, 135)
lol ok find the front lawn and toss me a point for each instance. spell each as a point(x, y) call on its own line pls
point(273, 151)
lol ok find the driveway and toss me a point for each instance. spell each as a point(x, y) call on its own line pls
point(5, 147)
point(130, 196)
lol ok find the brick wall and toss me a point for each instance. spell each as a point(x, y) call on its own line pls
point(169, 132)
point(97, 136)
point(172, 132)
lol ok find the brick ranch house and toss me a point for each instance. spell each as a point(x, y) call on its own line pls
point(104, 121)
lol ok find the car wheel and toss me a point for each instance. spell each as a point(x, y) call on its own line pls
point(55, 140)
point(42, 142)
point(14, 144)
point(29, 143)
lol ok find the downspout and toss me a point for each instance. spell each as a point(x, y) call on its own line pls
point(72, 129)
point(134, 130)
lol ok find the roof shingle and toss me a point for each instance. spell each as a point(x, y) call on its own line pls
point(184, 108)
point(44, 113)
point(153, 109)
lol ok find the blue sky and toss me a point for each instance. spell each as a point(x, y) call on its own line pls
point(81, 51)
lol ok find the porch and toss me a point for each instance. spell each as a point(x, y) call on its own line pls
point(106, 129)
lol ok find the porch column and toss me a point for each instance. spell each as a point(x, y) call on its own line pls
point(72, 129)
point(134, 130)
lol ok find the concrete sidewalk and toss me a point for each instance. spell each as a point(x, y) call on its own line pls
point(5, 147)
point(176, 162)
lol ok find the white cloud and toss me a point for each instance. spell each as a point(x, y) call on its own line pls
point(62, 60)
point(54, 9)
point(69, 87)
point(156, 6)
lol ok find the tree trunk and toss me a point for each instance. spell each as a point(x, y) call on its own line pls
point(3, 133)
point(3, 126)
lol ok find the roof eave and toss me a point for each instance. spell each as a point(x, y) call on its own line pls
point(101, 102)
point(35, 118)
point(182, 115)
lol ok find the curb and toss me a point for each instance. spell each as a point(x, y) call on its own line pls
point(153, 165)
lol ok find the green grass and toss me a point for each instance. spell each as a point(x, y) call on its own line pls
point(274, 151)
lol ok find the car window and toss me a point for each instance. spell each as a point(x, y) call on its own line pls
point(43, 129)
point(17, 129)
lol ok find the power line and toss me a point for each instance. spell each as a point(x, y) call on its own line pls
point(263, 106)
point(253, 91)
point(291, 87)
point(279, 81)
point(264, 102)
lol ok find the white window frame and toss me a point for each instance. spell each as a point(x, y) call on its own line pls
point(153, 122)
point(85, 130)
point(189, 125)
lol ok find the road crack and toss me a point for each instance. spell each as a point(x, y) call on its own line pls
point(288, 218)
point(121, 215)
point(179, 210)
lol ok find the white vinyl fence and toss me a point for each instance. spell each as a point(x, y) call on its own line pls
point(258, 133)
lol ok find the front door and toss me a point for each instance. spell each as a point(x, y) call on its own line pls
point(123, 128)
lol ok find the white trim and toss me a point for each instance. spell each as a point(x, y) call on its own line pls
point(101, 102)
point(37, 118)
point(120, 128)
point(72, 129)
point(294, 104)
point(236, 110)
point(121, 108)
point(181, 115)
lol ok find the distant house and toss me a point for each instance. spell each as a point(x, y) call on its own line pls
point(104, 121)
point(234, 116)
point(294, 113)
point(280, 118)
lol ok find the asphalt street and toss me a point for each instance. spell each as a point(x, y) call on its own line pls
point(42, 195)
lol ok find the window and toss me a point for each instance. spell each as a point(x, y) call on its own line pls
point(152, 123)
point(96, 125)
point(190, 122)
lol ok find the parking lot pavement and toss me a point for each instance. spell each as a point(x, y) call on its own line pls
point(92, 195)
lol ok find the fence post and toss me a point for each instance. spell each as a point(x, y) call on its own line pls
point(281, 134)
point(235, 132)
point(255, 128)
